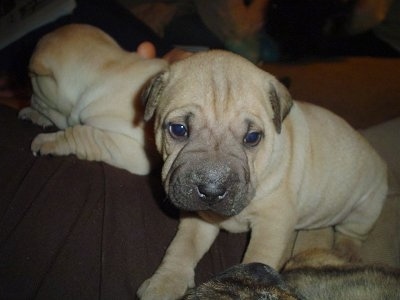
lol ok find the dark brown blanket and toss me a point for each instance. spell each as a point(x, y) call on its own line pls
point(73, 229)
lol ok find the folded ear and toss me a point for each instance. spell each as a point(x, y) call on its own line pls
point(281, 102)
point(151, 94)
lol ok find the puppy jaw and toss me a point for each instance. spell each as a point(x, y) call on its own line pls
point(221, 186)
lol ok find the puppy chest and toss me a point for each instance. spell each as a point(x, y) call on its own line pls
point(235, 224)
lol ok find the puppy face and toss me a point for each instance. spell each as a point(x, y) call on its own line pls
point(216, 118)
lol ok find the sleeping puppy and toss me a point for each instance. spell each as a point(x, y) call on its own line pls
point(87, 85)
point(239, 154)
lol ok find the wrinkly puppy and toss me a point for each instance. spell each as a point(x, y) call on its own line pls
point(240, 155)
point(88, 86)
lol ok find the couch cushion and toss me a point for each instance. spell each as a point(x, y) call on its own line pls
point(73, 229)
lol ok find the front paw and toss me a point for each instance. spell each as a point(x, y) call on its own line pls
point(50, 143)
point(29, 114)
point(166, 285)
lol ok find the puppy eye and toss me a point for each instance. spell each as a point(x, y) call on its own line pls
point(252, 138)
point(178, 130)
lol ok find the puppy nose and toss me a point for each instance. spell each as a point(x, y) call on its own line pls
point(211, 192)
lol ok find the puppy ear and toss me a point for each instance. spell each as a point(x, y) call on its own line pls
point(151, 94)
point(281, 103)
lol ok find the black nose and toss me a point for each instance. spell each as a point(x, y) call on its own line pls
point(211, 192)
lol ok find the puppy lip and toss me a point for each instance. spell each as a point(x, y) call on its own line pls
point(225, 213)
point(221, 207)
point(222, 213)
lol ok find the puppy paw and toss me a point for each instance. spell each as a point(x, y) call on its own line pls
point(166, 286)
point(29, 114)
point(49, 143)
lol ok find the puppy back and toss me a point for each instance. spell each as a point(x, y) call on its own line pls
point(59, 45)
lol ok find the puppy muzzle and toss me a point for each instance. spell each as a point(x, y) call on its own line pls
point(219, 187)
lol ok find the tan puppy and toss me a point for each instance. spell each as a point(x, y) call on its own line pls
point(88, 86)
point(236, 157)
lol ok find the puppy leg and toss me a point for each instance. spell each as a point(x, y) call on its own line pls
point(176, 272)
point(45, 112)
point(90, 143)
point(353, 230)
point(35, 117)
point(269, 239)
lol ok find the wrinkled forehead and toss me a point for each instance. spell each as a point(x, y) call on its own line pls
point(219, 86)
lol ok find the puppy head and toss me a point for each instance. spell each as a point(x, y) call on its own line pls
point(216, 118)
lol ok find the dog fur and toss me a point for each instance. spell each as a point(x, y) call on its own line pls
point(321, 274)
point(244, 281)
point(89, 87)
